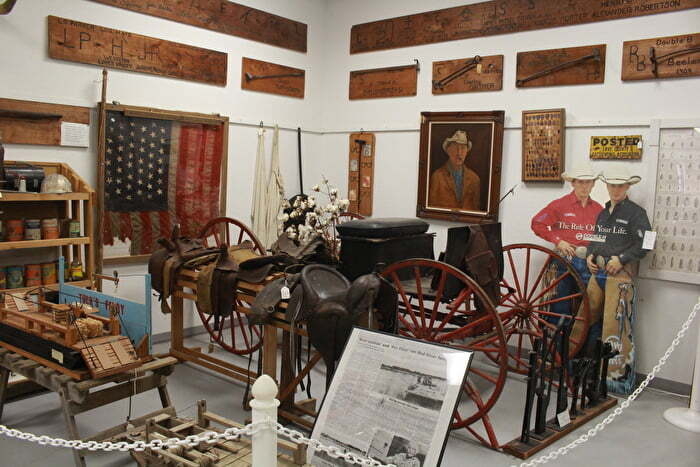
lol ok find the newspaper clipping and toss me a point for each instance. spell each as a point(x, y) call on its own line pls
point(391, 399)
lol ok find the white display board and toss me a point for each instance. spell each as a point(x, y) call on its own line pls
point(676, 209)
point(392, 399)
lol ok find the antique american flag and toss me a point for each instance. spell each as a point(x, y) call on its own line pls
point(158, 173)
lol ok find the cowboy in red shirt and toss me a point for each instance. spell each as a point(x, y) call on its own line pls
point(567, 221)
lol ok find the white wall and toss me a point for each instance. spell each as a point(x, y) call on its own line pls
point(612, 108)
point(26, 72)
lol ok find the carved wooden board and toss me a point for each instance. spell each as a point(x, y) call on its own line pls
point(588, 71)
point(361, 173)
point(28, 122)
point(543, 145)
point(498, 17)
point(88, 43)
point(395, 81)
point(668, 51)
point(487, 75)
point(226, 17)
point(257, 75)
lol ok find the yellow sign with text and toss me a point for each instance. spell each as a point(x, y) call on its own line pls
point(616, 147)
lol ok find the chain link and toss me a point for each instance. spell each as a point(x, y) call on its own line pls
point(190, 441)
point(626, 403)
point(333, 451)
point(210, 437)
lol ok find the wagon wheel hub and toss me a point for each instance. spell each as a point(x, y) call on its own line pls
point(523, 309)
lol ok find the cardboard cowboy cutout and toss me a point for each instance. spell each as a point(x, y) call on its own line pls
point(604, 245)
point(568, 223)
point(612, 257)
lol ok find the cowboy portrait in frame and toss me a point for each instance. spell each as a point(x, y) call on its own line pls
point(459, 172)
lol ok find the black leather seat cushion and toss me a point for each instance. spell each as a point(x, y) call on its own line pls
point(386, 227)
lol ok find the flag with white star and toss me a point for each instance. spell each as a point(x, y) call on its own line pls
point(158, 173)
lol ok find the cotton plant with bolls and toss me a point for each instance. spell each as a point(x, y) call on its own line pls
point(304, 218)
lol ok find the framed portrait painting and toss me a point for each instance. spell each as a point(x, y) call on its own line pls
point(459, 174)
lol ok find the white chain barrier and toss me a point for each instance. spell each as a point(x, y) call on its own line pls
point(210, 437)
point(618, 410)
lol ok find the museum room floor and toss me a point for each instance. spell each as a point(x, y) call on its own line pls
point(640, 436)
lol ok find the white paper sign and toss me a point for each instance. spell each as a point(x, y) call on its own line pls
point(75, 134)
point(649, 240)
point(563, 418)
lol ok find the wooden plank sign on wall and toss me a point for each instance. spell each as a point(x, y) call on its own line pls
point(498, 17)
point(88, 43)
point(473, 74)
point(257, 75)
point(555, 67)
point(661, 57)
point(225, 17)
point(395, 81)
point(361, 173)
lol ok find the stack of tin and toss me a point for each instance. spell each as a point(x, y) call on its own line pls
point(17, 230)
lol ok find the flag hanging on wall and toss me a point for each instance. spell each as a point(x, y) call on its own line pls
point(158, 173)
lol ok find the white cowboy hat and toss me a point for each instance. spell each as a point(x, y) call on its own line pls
point(460, 137)
point(581, 171)
point(619, 175)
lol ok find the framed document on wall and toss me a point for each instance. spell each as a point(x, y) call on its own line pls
point(543, 145)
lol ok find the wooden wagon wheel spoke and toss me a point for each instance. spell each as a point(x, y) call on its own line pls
point(421, 305)
point(557, 315)
point(558, 300)
point(540, 275)
point(554, 283)
point(515, 275)
point(537, 306)
point(438, 297)
point(405, 299)
point(457, 323)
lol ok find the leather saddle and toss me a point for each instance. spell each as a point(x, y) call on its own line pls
point(330, 306)
point(217, 281)
point(176, 252)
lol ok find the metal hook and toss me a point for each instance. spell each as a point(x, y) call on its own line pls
point(261, 123)
point(417, 64)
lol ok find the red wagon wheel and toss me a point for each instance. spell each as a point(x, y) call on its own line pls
point(439, 303)
point(529, 302)
point(231, 332)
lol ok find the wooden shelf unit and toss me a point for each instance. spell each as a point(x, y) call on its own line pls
point(80, 204)
point(44, 243)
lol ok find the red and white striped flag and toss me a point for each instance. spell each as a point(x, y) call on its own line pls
point(159, 173)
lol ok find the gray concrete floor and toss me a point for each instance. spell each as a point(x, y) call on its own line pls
point(640, 436)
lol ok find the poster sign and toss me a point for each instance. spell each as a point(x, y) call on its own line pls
point(616, 147)
point(391, 399)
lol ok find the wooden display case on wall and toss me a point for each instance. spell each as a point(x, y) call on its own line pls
point(78, 205)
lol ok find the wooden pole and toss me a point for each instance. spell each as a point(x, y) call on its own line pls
point(102, 113)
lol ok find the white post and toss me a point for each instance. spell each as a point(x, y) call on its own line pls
point(264, 406)
point(689, 418)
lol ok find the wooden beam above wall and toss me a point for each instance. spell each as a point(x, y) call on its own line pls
point(498, 17)
point(225, 17)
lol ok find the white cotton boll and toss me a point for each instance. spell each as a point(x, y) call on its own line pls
point(284, 217)
point(334, 191)
point(316, 188)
